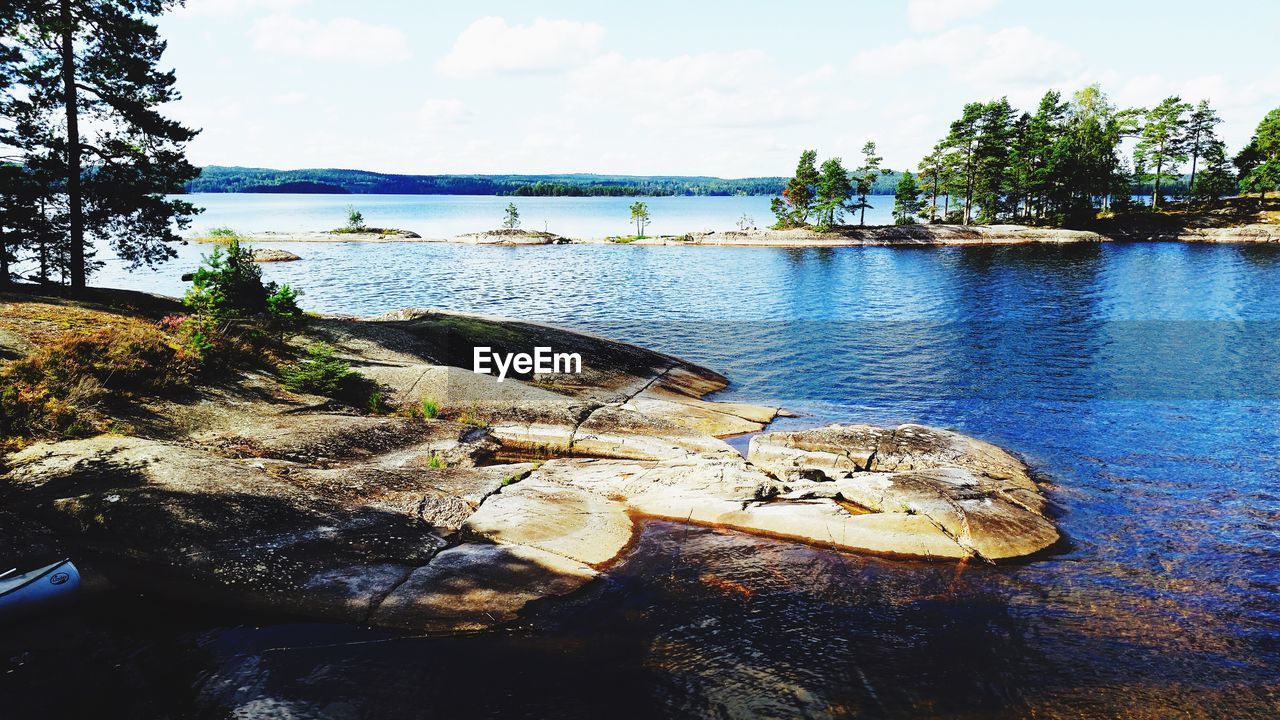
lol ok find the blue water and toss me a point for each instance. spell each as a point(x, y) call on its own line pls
point(444, 216)
point(1141, 381)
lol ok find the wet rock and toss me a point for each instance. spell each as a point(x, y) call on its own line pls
point(478, 586)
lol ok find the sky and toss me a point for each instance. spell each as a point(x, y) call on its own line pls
point(694, 87)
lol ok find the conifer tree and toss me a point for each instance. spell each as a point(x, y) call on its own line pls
point(906, 201)
point(865, 178)
point(833, 191)
point(1259, 161)
point(1201, 136)
point(1162, 144)
point(87, 78)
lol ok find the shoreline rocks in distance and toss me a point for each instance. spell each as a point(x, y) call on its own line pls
point(269, 255)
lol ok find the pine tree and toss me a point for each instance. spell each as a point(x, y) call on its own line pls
point(991, 160)
point(94, 65)
point(793, 207)
point(1217, 178)
point(834, 189)
point(1259, 161)
point(1200, 136)
point(511, 219)
point(906, 201)
point(865, 178)
point(931, 169)
point(962, 145)
point(1162, 144)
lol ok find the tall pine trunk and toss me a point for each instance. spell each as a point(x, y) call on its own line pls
point(1155, 189)
point(75, 211)
point(1191, 183)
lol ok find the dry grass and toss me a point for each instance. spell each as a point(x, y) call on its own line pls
point(66, 366)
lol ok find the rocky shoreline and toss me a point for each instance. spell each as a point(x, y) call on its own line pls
point(849, 236)
point(252, 496)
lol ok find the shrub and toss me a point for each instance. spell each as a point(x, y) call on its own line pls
point(222, 233)
point(430, 408)
point(436, 461)
point(355, 219)
point(282, 306)
point(320, 372)
point(229, 284)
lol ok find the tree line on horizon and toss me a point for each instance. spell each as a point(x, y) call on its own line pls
point(1060, 165)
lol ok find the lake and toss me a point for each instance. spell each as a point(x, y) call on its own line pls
point(1141, 381)
point(444, 216)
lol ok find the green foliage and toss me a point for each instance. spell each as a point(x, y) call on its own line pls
point(430, 408)
point(511, 220)
point(282, 305)
point(1059, 164)
point(355, 219)
point(793, 207)
point(1259, 161)
point(640, 216)
point(436, 461)
point(1162, 144)
point(83, 117)
point(865, 178)
point(321, 372)
point(222, 232)
point(1217, 178)
point(833, 191)
point(229, 284)
point(906, 202)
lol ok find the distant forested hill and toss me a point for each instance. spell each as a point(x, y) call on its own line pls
point(216, 179)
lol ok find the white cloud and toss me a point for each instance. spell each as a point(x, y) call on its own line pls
point(286, 99)
point(439, 112)
point(712, 89)
point(338, 39)
point(1013, 61)
point(223, 8)
point(932, 15)
point(491, 45)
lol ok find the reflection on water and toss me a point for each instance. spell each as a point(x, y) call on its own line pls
point(1139, 379)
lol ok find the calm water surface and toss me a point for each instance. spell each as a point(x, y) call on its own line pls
point(444, 216)
point(1141, 380)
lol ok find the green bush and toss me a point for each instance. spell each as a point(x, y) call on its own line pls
point(321, 372)
point(229, 284)
point(430, 408)
point(282, 305)
point(223, 232)
point(355, 219)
